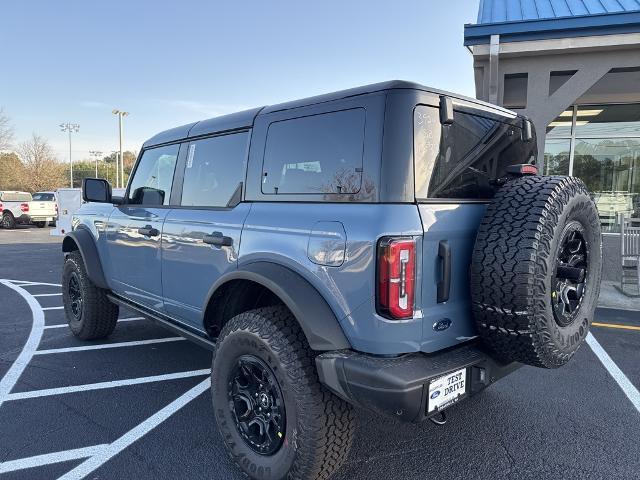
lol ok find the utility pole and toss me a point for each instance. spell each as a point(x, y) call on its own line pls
point(70, 127)
point(96, 154)
point(120, 115)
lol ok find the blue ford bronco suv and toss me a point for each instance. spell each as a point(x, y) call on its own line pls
point(390, 246)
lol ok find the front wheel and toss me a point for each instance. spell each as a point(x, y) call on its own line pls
point(276, 418)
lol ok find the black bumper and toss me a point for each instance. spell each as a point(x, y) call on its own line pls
point(398, 386)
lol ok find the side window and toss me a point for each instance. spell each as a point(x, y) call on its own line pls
point(463, 160)
point(152, 180)
point(215, 167)
point(319, 154)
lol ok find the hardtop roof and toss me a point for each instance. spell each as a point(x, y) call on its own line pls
point(245, 119)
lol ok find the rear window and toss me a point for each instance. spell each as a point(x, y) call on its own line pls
point(463, 160)
point(15, 197)
point(43, 197)
point(319, 154)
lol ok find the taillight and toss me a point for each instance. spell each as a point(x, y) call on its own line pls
point(24, 207)
point(396, 277)
point(1, 208)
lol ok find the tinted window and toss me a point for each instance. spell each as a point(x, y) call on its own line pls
point(463, 160)
point(152, 180)
point(316, 154)
point(215, 168)
point(43, 197)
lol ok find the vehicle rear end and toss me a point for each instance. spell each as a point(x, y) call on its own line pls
point(446, 157)
point(14, 208)
point(43, 208)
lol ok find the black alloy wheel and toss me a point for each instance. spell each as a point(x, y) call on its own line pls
point(257, 404)
point(75, 296)
point(569, 281)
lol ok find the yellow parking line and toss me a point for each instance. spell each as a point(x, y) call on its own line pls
point(615, 325)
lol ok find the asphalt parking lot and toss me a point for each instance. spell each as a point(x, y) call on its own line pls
point(137, 405)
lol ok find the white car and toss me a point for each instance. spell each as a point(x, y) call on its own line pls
point(14, 208)
point(43, 209)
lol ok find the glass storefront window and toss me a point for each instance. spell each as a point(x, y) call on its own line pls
point(556, 156)
point(611, 170)
point(561, 126)
point(606, 155)
point(608, 121)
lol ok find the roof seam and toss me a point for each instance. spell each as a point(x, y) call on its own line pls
point(569, 7)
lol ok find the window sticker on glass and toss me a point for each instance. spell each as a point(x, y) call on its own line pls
point(192, 151)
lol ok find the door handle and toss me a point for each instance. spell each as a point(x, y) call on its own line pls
point(217, 239)
point(444, 284)
point(148, 231)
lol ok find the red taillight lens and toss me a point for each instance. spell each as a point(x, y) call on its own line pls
point(24, 207)
point(1, 207)
point(396, 277)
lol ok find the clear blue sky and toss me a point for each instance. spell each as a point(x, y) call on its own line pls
point(170, 63)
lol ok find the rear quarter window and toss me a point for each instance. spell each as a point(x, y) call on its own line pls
point(463, 160)
point(318, 154)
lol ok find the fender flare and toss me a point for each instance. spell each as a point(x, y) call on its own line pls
point(313, 313)
point(86, 244)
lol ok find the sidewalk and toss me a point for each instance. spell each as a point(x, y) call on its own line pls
point(610, 297)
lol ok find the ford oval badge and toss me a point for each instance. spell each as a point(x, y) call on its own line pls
point(435, 394)
point(442, 325)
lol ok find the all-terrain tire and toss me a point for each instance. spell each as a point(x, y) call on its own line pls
point(8, 221)
point(97, 316)
point(515, 273)
point(319, 426)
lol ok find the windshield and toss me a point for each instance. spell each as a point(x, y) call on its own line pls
point(44, 197)
point(463, 160)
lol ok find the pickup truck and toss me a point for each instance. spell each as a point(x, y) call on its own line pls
point(43, 209)
point(14, 208)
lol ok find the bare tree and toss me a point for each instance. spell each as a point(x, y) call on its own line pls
point(6, 132)
point(42, 171)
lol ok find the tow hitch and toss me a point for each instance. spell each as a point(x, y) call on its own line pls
point(439, 419)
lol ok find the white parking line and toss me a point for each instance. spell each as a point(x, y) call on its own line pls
point(105, 454)
point(26, 283)
point(37, 327)
point(46, 294)
point(625, 384)
point(47, 392)
point(50, 458)
point(108, 345)
point(63, 325)
point(52, 308)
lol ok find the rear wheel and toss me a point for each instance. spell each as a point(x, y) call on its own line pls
point(276, 418)
point(536, 270)
point(8, 221)
point(90, 314)
point(40, 224)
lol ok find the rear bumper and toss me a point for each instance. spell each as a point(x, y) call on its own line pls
point(398, 386)
point(43, 218)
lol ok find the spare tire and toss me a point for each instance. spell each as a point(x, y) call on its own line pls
point(536, 270)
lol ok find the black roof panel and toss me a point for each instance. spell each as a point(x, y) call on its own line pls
point(246, 118)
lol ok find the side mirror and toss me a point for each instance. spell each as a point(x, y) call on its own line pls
point(96, 190)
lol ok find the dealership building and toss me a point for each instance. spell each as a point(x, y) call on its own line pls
point(573, 67)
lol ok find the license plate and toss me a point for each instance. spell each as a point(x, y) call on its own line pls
point(447, 390)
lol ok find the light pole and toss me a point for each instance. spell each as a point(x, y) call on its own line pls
point(96, 154)
point(70, 127)
point(120, 115)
